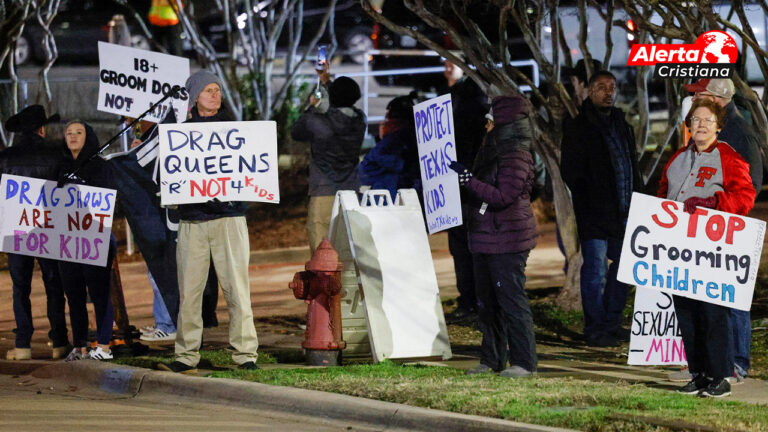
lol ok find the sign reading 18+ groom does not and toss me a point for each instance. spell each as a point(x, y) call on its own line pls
point(227, 161)
point(437, 149)
point(709, 255)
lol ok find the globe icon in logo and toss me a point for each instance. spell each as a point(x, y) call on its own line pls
point(718, 47)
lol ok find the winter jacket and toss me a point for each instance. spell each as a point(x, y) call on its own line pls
point(335, 138)
point(589, 171)
point(213, 209)
point(30, 157)
point(738, 134)
point(719, 171)
point(500, 219)
point(393, 163)
point(89, 169)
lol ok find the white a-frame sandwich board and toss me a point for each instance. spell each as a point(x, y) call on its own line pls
point(386, 245)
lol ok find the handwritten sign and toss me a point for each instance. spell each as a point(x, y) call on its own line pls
point(437, 149)
point(72, 223)
point(227, 161)
point(709, 255)
point(656, 338)
point(131, 80)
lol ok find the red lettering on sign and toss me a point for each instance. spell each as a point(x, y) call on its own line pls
point(693, 221)
point(734, 224)
point(667, 206)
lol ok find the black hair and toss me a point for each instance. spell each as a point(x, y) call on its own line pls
point(599, 74)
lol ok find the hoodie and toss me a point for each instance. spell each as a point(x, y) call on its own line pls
point(92, 172)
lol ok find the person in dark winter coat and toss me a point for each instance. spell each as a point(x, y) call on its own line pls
point(80, 160)
point(29, 157)
point(599, 165)
point(335, 137)
point(501, 233)
point(394, 162)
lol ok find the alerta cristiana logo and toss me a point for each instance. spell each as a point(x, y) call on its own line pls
point(713, 55)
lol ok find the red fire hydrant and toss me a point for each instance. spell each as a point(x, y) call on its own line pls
point(320, 287)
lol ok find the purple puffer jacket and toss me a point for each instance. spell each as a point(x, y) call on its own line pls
point(503, 178)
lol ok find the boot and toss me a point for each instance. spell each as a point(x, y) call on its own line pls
point(19, 354)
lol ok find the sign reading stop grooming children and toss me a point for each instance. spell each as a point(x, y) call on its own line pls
point(227, 161)
point(131, 80)
point(437, 149)
point(709, 255)
point(655, 338)
point(71, 223)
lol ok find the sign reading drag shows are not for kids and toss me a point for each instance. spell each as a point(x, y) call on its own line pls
point(709, 255)
point(132, 80)
point(227, 161)
point(437, 149)
point(71, 223)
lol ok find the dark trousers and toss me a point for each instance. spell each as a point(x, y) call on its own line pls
point(21, 268)
point(76, 278)
point(742, 338)
point(707, 332)
point(463, 266)
point(602, 297)
point(504, 312)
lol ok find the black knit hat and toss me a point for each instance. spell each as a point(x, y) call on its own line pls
point(344, 92)
point(29, 119)
point(400, 108)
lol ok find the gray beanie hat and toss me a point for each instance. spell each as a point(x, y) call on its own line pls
point(197, 82)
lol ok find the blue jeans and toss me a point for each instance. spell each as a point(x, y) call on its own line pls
point(163, 319)
point(602, 297)
point(742, 337)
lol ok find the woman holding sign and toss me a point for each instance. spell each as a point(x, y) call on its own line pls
point(501, 232)
point(707, 173)
point(80, 158)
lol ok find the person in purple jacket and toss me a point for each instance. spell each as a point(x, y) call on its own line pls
point(501, 233)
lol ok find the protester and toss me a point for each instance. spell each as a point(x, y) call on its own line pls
point(706, 328)
point(579, 79)
point(212, 231)
point(740, 135)
point(81, 147)
point(29, 157)
point(394, 162)
point(599, 165)
point(470, 104)
point(335, 136)
point(501, 233)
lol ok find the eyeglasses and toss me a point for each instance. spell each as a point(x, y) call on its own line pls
point(705, 122)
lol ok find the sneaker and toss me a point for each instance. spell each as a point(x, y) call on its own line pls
point(480, 369)
point(515, 372)
point(735, 379)
point(19, 354)
point(100, 354)
point(683, 375)
point(721, 388)
point(622, 334)
point(147, 329)
point(249, 365)
point(695, 385)
point(158, 336)
point(178, 367)
point(75, 355)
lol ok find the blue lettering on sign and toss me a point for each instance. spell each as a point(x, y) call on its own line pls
point(638, 265)
point(433, 121)
point(435, 163)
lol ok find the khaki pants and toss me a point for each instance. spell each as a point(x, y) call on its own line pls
point(319, 219)
point(226, 241)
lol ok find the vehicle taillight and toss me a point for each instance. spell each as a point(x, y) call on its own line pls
point(375, 35)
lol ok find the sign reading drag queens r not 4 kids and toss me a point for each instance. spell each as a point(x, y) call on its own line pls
point(709, 255)
point(71, 223)
point(227, 161)
point(437, 149)
point(655, 338)
point(132, 80)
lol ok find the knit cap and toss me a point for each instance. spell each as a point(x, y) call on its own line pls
point(197, 82)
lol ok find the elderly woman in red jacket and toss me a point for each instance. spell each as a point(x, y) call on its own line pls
point(501, 232)
point(707, 173)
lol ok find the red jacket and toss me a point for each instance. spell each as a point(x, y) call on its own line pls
point(719, 171)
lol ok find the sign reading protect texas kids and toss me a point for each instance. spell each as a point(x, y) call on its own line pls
point(437, 149)
point(71, 223)
point(227, 161)
point(709, 255)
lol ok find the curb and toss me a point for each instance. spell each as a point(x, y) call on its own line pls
point(288, 400)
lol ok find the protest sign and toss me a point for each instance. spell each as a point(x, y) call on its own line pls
point(131, 80)
point(227, 161)
point(655, 338)
point(437, 149)
point(72, 223)
point(709, 255)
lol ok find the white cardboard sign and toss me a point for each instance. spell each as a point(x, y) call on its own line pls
point(710, 255)
point(72, 223)
point(437, 149)
point(228, 161)
point(131, 80)
point(655, 338)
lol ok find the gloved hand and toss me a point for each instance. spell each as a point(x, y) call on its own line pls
point(691, 203)
point(464, 174)
point(63, 179)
